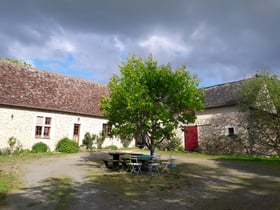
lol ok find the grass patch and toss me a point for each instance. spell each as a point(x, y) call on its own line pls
point(126, 186)
point(64, 193)
point(60, 192)
point(264, 160)
point(6, 183)
point(29, 155)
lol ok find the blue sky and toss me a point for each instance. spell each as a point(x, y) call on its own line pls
point(219, 40)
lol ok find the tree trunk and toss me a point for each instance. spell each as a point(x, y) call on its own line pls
point(152, 149)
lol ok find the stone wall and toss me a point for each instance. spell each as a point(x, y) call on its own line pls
point(214, 127)
point(20, 123)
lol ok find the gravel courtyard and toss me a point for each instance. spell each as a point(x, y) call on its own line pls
point(203, 184)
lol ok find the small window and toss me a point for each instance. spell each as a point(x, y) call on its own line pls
point(107, 130)
point(43, 127)
point(230, 131)
point(47, 121)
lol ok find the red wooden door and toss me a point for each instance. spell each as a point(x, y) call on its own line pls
point(191, 138)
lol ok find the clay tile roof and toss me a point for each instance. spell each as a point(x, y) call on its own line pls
point(222, 95)
point(33, 88)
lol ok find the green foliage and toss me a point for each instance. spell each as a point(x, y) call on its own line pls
point(180, 148)
point(150, 101)
point(261, 96)
point(40, 147)
point(126, 140)
point(172, 144)
point(100, 140)
point(12, 141)
point(88, 140)
point(15, 145)
point(91, 139)
point(5, 186)
point(16, 61)
point(175, 143)
point(67, 145)
point(111, 147)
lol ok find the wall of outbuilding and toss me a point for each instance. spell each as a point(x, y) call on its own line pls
point(213, 136)
point(20, 123)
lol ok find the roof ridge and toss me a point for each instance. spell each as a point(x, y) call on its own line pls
point(226, 83)
point(43, 71)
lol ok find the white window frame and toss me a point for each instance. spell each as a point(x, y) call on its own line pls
point(44, 122)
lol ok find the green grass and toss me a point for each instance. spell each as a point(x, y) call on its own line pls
point(126, 186)
point(6, 183)
point(27, 155)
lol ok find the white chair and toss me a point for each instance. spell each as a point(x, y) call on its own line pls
point(154, 164)
point(135, 165)
point(165, 164)
point(128, 164)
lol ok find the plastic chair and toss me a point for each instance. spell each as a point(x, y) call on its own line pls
point(165, 164)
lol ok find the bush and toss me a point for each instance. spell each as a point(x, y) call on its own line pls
point(40, 147)
point(172, 144)
point(12, 141)
point(111, 147)
point(100, 140)
point(67, 145)
point(180, 148)
point(89, 140)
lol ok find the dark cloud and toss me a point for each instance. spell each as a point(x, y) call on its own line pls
point(220, 40)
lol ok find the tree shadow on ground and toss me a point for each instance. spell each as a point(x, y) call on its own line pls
point(188, 186)
point(260, 167)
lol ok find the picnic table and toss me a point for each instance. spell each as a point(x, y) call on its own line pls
point(118, 159)
point(115, 161)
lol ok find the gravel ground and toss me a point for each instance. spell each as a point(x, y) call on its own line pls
point(215, 184)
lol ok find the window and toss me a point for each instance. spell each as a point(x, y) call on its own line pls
point(230, 131)
point(107, 130)
point(43, 127)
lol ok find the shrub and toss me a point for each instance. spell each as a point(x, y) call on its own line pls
point(67, 145)
point(172, 144)
point(180, 148)
point(12, 141)
point(100, 140)
point(89, 139)
point(40, 147)
point(111, 147)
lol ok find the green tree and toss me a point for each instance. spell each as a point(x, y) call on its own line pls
point(150, 101)
point(260, 96)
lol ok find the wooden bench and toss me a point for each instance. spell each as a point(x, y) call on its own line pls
point(113, 164)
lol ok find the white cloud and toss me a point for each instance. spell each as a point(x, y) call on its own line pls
point(158, 44)
point(95, 36)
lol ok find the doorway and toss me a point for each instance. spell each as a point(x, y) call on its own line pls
point(76, 132)
point(191, 138)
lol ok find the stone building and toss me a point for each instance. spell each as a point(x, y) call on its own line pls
point(40, 106)
point(222, 128)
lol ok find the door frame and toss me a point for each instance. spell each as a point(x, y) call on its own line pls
point(76, 132)
point(191, 137)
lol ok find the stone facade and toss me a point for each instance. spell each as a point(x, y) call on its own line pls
point(223, 130)
point(21, 123)
point(33, 102)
